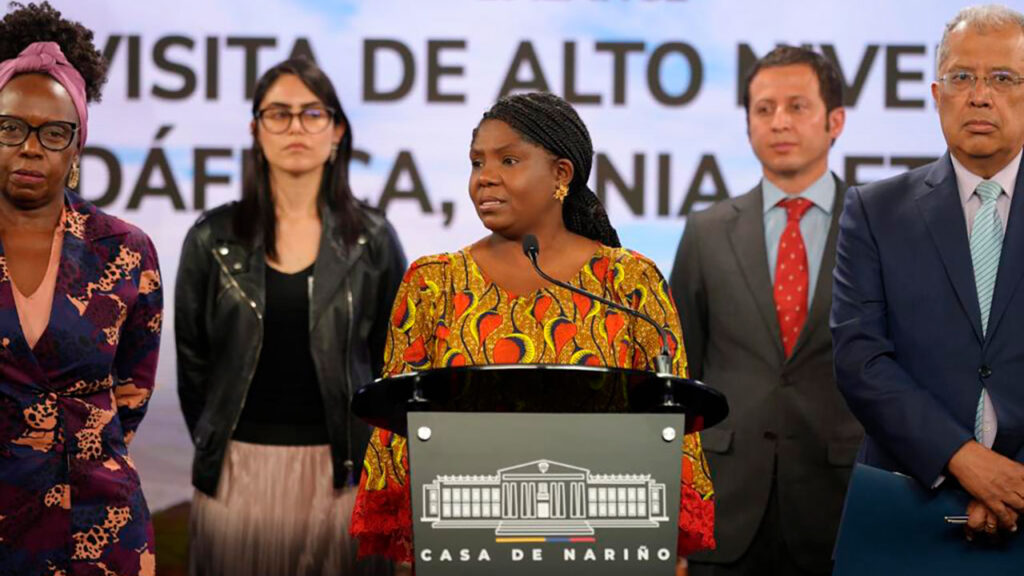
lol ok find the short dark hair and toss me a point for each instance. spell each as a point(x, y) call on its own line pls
point(830, 84)
point(255, 216)
point(25, 24)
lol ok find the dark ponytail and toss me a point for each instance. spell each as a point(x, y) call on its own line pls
point(584, 214)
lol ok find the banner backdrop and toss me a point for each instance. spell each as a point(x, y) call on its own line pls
point(658, 82)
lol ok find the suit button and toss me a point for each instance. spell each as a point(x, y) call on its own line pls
point(984, 371)
point(769, 435)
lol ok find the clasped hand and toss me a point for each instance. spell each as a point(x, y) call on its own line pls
point(996, 484)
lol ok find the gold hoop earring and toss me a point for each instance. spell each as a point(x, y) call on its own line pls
point(334, 154)
point(74, 175)
point(561, 192)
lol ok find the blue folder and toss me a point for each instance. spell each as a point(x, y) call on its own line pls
point(892, 525)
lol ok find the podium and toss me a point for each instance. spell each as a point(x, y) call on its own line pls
point(542, 469)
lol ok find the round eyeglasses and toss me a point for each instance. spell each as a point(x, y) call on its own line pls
point(277, 120)
point(54, 136)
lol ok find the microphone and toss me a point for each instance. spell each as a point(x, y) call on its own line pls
point(662, 362)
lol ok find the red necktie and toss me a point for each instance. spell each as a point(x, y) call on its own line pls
point(791, 275)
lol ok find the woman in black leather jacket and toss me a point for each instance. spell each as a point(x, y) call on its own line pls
point(281, 307)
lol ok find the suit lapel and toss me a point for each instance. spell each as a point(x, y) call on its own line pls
point(747, 240)
point(944, 216)
point(817, 317)
point(333, 262)
point(1010, 261)
point(244, 262)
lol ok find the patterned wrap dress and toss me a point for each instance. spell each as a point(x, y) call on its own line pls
point(447, 313)
point(70, 498)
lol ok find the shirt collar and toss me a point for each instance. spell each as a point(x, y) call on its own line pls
point(968, 181)
point(822, 193)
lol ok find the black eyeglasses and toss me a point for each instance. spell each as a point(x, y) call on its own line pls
point(55, 136)
point(277, 120)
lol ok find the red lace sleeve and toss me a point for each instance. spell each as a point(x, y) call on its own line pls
point(382, 517)
point(696, 522)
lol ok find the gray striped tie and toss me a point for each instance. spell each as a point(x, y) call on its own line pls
point(986, 245)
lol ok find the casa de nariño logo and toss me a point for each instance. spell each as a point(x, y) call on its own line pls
point(544, 501)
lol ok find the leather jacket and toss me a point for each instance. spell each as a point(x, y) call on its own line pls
point(218, 320)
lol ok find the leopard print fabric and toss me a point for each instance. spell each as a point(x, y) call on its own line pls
point(70, 405)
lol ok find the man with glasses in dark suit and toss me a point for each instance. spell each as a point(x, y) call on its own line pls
point(928, 302)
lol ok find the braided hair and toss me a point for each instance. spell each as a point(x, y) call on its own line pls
point(550, 122)
point(24, 25)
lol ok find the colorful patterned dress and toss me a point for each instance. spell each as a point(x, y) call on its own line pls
point(70, 498)
point(447, 313)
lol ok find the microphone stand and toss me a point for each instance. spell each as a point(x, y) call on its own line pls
point(662, 362)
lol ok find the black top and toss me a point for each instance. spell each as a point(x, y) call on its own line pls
point(284, 405)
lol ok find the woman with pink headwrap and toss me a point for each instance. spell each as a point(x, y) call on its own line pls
point(80, 317)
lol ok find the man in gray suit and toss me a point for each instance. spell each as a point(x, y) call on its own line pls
point(753, 283)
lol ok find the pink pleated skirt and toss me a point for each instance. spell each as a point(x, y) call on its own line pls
point(276, 513)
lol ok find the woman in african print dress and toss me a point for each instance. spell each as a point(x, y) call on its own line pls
point(80, 318)
point(531, 157)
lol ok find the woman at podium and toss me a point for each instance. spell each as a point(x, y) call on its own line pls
point(530, 160)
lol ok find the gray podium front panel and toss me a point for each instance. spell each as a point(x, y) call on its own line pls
point(545, 494)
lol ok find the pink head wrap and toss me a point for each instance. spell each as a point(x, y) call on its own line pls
point(47, 58)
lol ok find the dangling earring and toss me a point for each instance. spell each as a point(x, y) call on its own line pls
point(561, 192)
point(334, 154)
point(74, 175)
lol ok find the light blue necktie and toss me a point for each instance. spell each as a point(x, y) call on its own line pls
point(986, 245)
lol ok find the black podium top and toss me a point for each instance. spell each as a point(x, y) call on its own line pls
point(544, 388)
